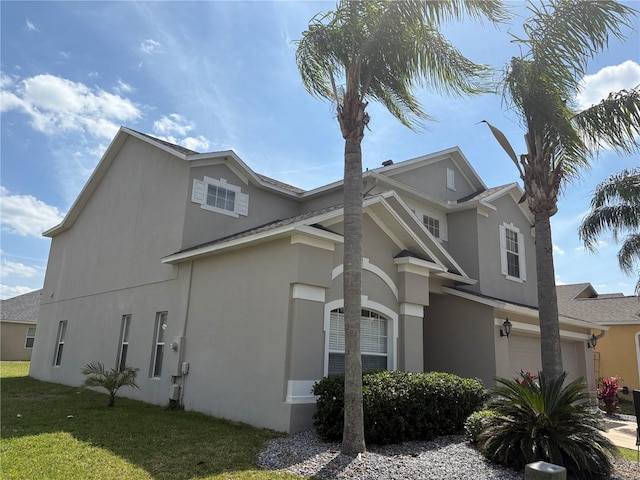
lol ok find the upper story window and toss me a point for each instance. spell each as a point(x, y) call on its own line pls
point(512, 257)
point(451, 179)
point(219, 196)
point(432, 224)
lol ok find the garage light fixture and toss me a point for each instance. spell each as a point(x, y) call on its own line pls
point(592, 342)
point(507, 328)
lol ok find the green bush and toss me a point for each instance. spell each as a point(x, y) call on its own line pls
point(476, 423)
point(400, 406)
point(547, 421)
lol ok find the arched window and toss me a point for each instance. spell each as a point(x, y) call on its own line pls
point(373, 341)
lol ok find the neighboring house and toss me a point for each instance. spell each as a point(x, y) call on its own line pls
point(224, 287)
point(18, 320)
point(617, 352)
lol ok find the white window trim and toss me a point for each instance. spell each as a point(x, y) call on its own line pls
point(157, 343)
point(392, 332)
point(199, 196)
point(26, 340)
point(521, 253)
point(124, 329)
point(59, 350)
point(451, 179)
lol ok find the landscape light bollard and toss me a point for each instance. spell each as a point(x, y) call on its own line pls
point(544, 471)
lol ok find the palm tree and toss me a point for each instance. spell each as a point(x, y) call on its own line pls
point(379, 50)
point(615, 206)
point(111, 380)
point(560, 37)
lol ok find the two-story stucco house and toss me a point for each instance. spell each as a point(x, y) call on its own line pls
point(224, 287)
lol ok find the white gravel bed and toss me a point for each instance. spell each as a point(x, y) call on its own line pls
point(445, 458)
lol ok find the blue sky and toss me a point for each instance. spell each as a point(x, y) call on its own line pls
point(222, 75)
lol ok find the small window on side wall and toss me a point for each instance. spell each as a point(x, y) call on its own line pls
point(158, 350)
point(216, 195)
point(121, 361)
point(31, 337)
point(451, 179)
point(62, 332)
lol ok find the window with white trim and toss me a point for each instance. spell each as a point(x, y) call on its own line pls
point(432, 224)
point(158, 348)
point(217, 195)
point(31, 337)
point(121, 361)
point(373, 341)
point(451, 179)
point(62, 331)
point(512, 259)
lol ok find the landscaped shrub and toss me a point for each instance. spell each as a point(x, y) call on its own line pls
point(400, 406)
point(111, 380)
point(608, 393)
point(476, 424)
point(546, 421)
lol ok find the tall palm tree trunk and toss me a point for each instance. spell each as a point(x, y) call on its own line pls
point(551, 354)
point(353, 434)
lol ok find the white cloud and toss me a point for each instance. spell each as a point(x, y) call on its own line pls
point(175, 129)
point(558, 250)
point(596, 87)
point(17, 269)
point(58, 105)
point(150, 46)
point(31, 26)
point(7, 291)
point(25, 215)
point(123, 87)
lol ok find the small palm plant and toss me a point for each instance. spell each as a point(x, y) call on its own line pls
point(111, 380)
point(546, 421)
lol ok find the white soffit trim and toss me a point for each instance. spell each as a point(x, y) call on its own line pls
point(312, 241)
point(416, 266)
point(303, 291)
point(249, 239)
point(412, 309)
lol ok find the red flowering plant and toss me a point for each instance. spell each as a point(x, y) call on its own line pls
point(525, 378)
point(608, 393)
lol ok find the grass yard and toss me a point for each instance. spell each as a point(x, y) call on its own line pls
point(51, 431)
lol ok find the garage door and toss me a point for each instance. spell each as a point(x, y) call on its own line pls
point(524, 354)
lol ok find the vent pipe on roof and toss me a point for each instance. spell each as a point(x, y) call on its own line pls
point(386, 163)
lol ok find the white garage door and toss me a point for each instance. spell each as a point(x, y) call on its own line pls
point(524, 354)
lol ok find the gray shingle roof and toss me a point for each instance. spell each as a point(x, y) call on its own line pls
point(581, 301)
point(23, 308)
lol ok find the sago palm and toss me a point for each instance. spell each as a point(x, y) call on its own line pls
point(379, 51)
point(615, 206)
point(111, 380)
point(560, 37)
point(546, 421)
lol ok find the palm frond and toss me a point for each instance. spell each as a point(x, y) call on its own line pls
point(612, 123)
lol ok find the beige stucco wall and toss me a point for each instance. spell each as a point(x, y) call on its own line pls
point(618, 351)
point(13, 337)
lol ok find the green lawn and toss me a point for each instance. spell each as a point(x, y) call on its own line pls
point(51, 431)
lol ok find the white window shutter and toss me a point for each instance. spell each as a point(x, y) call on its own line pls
point(521, 259)
point(242, 204)
point(503, 250)
point(199, 192)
